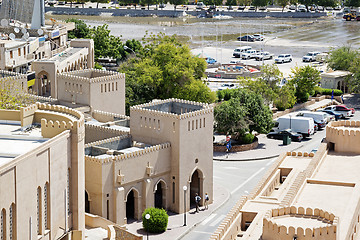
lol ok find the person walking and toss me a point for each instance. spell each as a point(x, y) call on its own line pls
point(197, 201)
point(206, 204)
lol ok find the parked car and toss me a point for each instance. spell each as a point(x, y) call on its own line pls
point(226, 86)
point(238, 51)
point(247, 38)
point(259, 37)
point(302, 125)
point(263, 56)
point(344, 108)
point(337, 8)
point(262, 8)
point(341, 110)
point(252, 8)
point(162, 5)
point(210, 60)
point(283, 58)
point(310, 56)
point(229, 8)
point(242, 8)
point(333, 113)
point(287, 132)
point(329, 8)
point(292, 7)
point(200, 5)
point(319, 118)
point(249, 54)
point(301, 8)
point(328, 117)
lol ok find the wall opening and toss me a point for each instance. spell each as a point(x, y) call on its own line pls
point(246, 220)
point(195, 187)
point(331, 146)
point(159, 195)
point(130, 206)
point(87, 203)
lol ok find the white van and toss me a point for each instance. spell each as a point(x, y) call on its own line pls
point(302, 125)
point(238, 51)
point(319, 117)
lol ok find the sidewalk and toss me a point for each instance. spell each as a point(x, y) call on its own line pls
point(268, 148)
point(175, 229)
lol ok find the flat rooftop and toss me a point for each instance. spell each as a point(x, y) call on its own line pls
point(15, 141)
point(65, 54)
point(175, 107)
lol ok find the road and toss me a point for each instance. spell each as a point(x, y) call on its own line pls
point(239, 178)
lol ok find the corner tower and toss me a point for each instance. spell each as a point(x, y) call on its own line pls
point(188, 126)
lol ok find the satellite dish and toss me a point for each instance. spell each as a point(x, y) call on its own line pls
point(46, 36)
point(25, 36)
point(12, 36)
point(23, 30)
point(16, 30)
point(4, 22)
point(40, 32)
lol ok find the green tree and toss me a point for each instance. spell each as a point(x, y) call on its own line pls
point(286, 98)
point(307, 3)
point(244, 2)
point(304, 79)
point(352, 3)
point(157, 222)
point(266, 84)
point(260, 3)
point(231, 2)
point(244, 112)
point(11, 94)
point(326, 3)
point(177, 2)
point(165, 69)
point(354, 80)
point(81, 29)
point(342, 58)
point(282, 3)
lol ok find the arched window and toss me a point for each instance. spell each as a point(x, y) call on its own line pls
point(3, 225)
point(38, 216)
point(46, 206)
point(12, 222)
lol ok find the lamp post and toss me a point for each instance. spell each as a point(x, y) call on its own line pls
point(127, 48)
point(147, 216)
point(184, 188)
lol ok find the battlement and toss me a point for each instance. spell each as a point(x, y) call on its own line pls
point(91, 76)
point(52, 128)
point(107, 140)
point(96, 132)
point(344, 135)
point(300, 154)
point(125, 156)
point(184, 108)
point(41, 99)
point(108, 115)
point(272, 230)
point(62, 109)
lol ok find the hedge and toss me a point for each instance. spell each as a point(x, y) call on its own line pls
point(157, 222)
point(327, 91)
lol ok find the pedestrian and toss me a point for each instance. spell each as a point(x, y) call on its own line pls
point(206, 204)
point(197, 201)
point(342, 99)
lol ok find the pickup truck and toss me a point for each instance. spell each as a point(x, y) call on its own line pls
point(344, 111)
point(263, 56)
point(249, 54)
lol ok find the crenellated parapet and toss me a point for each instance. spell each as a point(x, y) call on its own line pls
point(108, 115)
point(144, 108)
point(130, 155)
point(344, 135)
point(300, 154)
point(274, 230)
point(41, 99)
point(109, 140)
point(91, 76)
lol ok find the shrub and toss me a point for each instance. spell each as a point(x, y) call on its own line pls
point(248, 138)
point(327, 91)
point(90, 6)
point(157, 222)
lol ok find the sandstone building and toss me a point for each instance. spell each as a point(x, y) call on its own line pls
point(304, 196)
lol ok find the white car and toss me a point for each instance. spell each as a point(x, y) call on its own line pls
point(259, 37)
point(238, 51)
point(249, 54)
point(310, 56)
point(283, 58)
point(263, 56)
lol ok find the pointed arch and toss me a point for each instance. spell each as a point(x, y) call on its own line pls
point(157, 182)
point(135, 190)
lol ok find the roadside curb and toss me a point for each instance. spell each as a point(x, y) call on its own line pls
point(200, 221)
point(252, 159)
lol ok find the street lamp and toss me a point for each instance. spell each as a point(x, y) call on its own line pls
point(127, 48)
point(184, 188)
point(147, 216)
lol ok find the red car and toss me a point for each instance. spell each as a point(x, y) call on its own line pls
point(344, 108)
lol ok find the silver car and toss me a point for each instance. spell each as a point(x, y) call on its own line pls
point(283, 58)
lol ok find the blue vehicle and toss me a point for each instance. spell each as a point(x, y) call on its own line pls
point(210, 60)
point(336, 115)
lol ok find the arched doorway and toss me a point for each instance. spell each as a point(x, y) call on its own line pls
point(195, 187)
point(43, 84)
point(130, 205)
point(160, 195)
point(87, 202)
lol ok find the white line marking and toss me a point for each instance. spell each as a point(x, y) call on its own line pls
point(220, 218)
point(248, 180)
point(208, 219)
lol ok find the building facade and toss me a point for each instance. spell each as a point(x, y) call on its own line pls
point(41, 173)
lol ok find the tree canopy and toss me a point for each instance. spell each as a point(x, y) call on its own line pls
point(167, 69)
point(11, 95)
point(304, 79)
point(244, 112)
point(342, 58)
